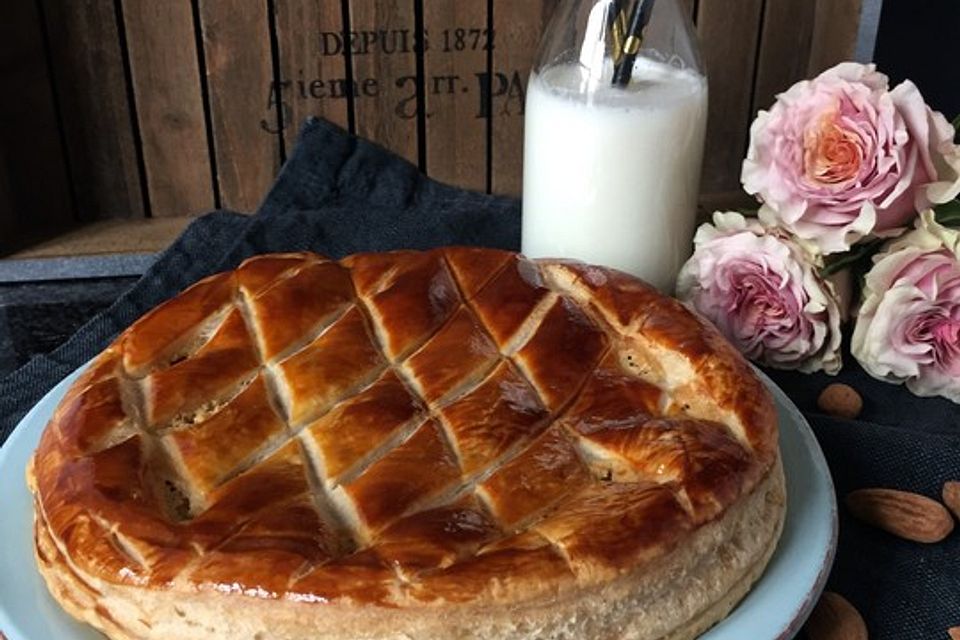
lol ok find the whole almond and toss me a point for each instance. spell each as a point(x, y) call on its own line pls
point(908, 515)
point(840, 400)
point(835, 619)
point(951, 498)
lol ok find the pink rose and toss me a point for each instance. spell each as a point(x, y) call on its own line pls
point(908, 326)
point(841, 157)
point(762, 291)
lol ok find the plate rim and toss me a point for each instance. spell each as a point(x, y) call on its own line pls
point(33, 420)
point(805, 608)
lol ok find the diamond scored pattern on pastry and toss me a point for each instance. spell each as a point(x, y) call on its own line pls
point(415, 418)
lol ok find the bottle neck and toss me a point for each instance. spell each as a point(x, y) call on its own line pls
point(585, 32)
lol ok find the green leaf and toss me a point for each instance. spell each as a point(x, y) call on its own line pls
point(948, 214)
point(860, 253)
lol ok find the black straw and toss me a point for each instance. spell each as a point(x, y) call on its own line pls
point(639, 18)
point(617, 28)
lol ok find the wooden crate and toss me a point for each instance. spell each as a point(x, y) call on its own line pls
point(137, 108)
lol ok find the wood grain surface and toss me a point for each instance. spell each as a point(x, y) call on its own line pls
point(834, 33)
point(116, 235)
point(113, 111)
point(311, 62)
point(7, 209)
point(236, 42)
point(784, 51)
point(454, 64)
point(32, 161)
point(385, 74)
point(518, 27)
point(87, 65)
point(728, 39)
point(166, 83)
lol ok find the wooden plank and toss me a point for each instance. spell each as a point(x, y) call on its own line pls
point(723, 201)
point(728, 39)
point(87, 65)
point(31, 155)
point(312, 64)
point(385, 73)
point(518, 27)
point(456, 135)
point(166, 84)
point(785, 40)
point(131, 235)
point(239, 65)
point(7, 209)
point(834, 33)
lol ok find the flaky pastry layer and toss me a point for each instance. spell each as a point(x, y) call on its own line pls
point(410, 444)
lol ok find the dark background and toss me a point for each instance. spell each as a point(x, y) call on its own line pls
point(920, 40)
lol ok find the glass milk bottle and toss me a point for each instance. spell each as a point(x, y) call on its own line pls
point(611, 172)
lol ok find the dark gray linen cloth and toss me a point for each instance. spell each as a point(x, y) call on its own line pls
point(338, 195)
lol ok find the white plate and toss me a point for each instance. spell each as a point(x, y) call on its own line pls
point(774, 609)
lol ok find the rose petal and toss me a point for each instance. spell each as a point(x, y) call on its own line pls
point(842, 156)
point(762, 291)
point(908, 325)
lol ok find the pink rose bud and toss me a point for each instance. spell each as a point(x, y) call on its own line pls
point(842, 156)
point(908, 326)
point(762, 290)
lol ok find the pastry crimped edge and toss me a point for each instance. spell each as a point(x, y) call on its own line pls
point(678, 596)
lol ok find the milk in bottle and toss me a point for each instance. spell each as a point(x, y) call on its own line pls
point(611, 174)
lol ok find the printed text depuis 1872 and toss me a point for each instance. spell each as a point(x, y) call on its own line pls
point(503, 89)
point(391, 41)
